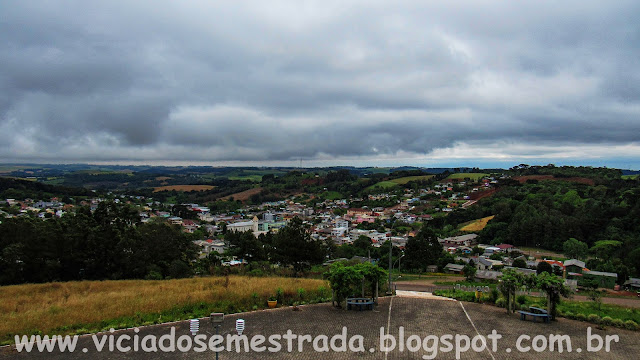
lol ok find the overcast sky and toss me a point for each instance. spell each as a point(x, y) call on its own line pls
point(489, 83)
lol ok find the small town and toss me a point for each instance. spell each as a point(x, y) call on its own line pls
point(319, 179)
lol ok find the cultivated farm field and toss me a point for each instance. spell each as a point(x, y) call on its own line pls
point(477, 225)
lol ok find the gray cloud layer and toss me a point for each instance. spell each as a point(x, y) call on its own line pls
point(275, 80)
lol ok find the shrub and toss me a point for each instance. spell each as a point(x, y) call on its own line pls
point(630, 325)
point(495, 293)
point(521, 299)
point(617, 323)
point(607, 320)
point(280, 295)
point(581, 317)
point(593, 318)
point(256, 272)
point(153, 275)
point(524, 307)
point(486, 298)
point(500, 302)
point(568, 315)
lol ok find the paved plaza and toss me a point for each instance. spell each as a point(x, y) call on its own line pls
point(418, 313)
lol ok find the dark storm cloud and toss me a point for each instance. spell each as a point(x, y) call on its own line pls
point(267, 81)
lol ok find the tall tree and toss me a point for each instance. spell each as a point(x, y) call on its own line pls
point(294, 246)
point(422, 250)
point(575, 249)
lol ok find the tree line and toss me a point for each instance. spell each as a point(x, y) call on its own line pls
point(108, 243)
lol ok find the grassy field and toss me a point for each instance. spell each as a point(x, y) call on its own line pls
point(91, 306)
point(183, 188)
point(383, 185)
point(542, 253)
point(252, 178)
point(472, 176)
point(477, 225)
point(404, 180)
point(54, 181)
point(332, 195)
point(629, 177)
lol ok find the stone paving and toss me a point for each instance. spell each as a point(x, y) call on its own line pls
point(419, 314)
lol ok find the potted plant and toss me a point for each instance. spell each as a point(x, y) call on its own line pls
point(272, 302)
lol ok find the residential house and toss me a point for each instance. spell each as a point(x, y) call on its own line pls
point(462, 240)
point(484, 264)
point(573, 268)
point(604, 279)
point(488, 275)
point(632, 284)
point(454, 268)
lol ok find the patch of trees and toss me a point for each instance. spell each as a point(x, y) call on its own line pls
point(109, 243)
point(601, 173)
point(291, 246)
point(12, 188)
point(598, 222)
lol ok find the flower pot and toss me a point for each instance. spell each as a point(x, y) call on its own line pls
point(272, 303)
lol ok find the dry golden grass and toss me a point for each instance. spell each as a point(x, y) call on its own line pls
point(243, 195)
point(25, 309)
point(183, 188)
point(477, 225)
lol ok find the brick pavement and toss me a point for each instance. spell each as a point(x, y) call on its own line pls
point(418, 316)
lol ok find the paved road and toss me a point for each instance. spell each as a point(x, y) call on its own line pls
point(418, 316)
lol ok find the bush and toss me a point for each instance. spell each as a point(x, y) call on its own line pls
point(495, 293)
point(618, 323)
point(581, 317)
point(500, 302)
point(153, 275)
point(521, 299)
point(280, 295)
point(524, 307)
point(256, 272)
point(593, 318)
point(630, 325)
point(607, 320)
point(568, 315)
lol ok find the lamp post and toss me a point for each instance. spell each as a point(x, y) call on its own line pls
point(397, 261)
point(390, 265)
point(216, 320)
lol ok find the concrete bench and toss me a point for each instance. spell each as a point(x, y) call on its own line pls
point(523, 316)
point(360, 303)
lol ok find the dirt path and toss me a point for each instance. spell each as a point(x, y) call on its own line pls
point(429, 281)
point(626, 302)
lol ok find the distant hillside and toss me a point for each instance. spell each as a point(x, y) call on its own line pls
point(21, 189)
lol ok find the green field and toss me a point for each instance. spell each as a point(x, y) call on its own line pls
point(387, 184)
point(54, 181)
point(630, 177)
point(331, 195)
point(472, 176)
point(404, 180)
point(383, 185)
point(253, 178)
